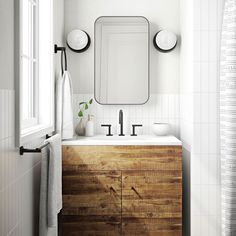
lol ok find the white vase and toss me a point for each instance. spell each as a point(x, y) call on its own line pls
point(80, 128)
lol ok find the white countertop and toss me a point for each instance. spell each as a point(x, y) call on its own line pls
point(101, 140)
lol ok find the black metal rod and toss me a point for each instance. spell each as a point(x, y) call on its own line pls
point(63, 53)
point(65, 60)
point(134, 134)
point(56, 48)
point(62, 67)
point(35, 150)
point(109, 129)
point(121, 122)
point(65, 57)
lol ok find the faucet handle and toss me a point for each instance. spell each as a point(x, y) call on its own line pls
point(109, 129)
point(134, 126)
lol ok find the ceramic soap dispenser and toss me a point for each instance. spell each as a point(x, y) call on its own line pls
point(89, 129)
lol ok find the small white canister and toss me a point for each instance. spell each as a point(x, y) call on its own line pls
point(161, 129)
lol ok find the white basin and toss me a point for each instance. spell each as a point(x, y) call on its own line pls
point(124, 140)
point(161, 129)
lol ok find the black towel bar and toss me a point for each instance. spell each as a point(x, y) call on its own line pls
point(36, 150)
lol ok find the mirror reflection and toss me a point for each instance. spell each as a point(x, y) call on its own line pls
point(121, 60)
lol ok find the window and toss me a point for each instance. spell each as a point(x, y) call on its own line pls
point(35, 98)
point(29, 63)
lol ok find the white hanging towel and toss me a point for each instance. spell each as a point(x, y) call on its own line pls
point(64, 118)
point(51, 187)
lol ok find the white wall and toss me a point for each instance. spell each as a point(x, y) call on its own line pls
point(162, 14)
point(164, 71)
point(186, 101)
point(159, 108)
point(19, 175)
point(7, 43)
point(186, 72)
point(205, 160)
point(199, 97)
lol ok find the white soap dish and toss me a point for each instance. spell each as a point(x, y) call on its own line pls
point(161, 129)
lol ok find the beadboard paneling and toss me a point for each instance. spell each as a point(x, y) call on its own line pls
point(19, 177)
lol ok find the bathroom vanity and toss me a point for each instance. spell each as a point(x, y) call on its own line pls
point(122, 186)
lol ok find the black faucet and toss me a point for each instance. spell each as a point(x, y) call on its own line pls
point(109, 129)
point(121, 123)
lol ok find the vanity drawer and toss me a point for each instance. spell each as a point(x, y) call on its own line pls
point(152, 202)
point(151, 194)
point(96, 193)
point(122, 158)
point(91, 203)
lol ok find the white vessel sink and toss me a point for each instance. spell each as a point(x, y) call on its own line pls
point(124, 140)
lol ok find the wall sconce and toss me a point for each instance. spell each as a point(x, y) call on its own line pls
point(165, 41)
point(78, 41)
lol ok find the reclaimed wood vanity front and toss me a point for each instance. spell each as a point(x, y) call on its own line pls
point(122, 190)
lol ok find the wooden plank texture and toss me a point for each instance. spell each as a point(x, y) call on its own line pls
point(151, 227)
point(122, 190)
point(91, 203)
point(121, 158)
point(91, 225)
point(92, 193)
point(153, 198)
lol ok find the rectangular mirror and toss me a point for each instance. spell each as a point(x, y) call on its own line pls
point(121, 60)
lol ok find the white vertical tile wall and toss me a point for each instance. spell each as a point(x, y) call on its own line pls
point(186, 103)
point(205, 159)
point(19, 177)
point(159, 108)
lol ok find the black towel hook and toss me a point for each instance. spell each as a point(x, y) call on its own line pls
point(63, 53)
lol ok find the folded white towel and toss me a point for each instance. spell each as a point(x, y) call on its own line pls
point(51, 187)
point(64, 118)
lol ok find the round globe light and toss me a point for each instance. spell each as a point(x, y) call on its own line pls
point(165, 41)
point(78, 40)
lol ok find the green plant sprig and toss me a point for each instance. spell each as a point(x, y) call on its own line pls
point(84, 106)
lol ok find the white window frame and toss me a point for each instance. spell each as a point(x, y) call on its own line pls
point(33, 60)
point(43, 121)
